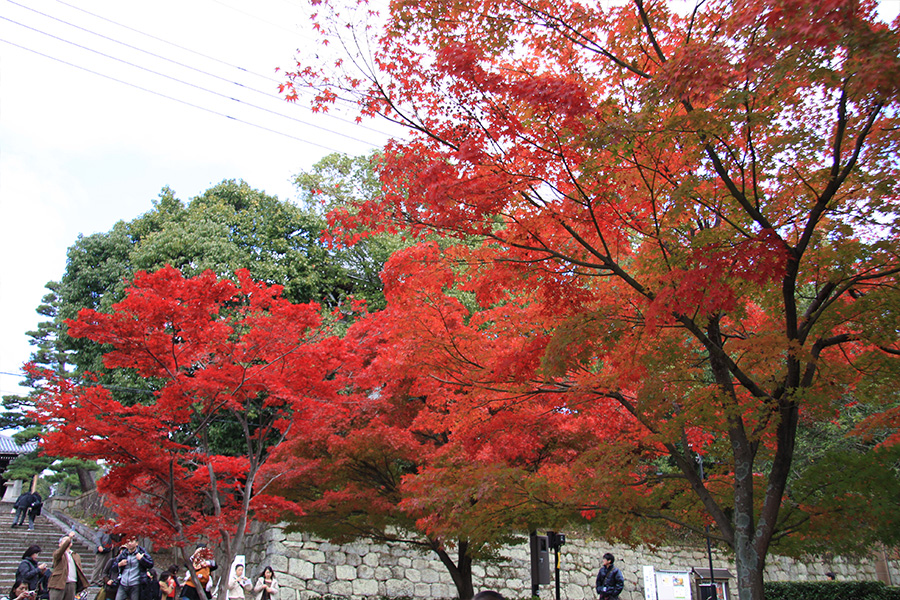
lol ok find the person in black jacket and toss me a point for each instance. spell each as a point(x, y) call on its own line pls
point(150, 586)
point(111, 587)
point(34, 509)
point(32, 572)
point(21, 505)
point(610, 581)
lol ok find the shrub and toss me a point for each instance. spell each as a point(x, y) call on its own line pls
point(830, 590)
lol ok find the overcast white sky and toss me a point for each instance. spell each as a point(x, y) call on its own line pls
point(81, 146)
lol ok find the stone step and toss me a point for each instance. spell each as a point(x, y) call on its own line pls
point(46, 534)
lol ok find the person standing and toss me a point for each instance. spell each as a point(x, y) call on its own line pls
point(204, 564)
point(610, 581)
point(150, 588)
point(21, 505)
point(266, 587)
point(133, 563)
point(238, 583)
point(32, 572)
point(104, 542)
point(34, 509)
point(67, 577)
point(111, 586)
point(168, 583)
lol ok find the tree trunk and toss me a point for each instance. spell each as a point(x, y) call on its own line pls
point(234, 545)
point(85, 480)
point(749, 565)
point(460, 571)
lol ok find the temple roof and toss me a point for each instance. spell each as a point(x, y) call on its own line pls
point(9, 446)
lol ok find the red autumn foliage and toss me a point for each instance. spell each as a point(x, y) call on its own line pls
point(217, 356)
point(688, 215)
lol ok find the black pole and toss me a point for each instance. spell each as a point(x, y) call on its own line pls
point(712, 581)
point(556, 552)
point(714, 595)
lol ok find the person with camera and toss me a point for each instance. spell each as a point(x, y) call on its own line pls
point(204, 564)
point(32, 572)
point(20, 591)
point(266, 587)
point(67, 577)
point(610, 581)
point(238, 583)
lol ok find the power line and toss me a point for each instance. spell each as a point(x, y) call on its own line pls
point(159, 39)
point(193, 85)
point(20, 375)
point(127, 45)
point(206, 56)
point(261, 20)
point(186, 103)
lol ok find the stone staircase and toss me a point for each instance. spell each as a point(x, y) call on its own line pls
point(46, 534)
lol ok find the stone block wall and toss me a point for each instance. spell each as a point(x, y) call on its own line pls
point(310, 568)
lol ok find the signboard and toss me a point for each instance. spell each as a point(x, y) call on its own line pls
point(649, 583)
point(673, 585)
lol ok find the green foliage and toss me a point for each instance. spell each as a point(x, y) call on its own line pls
point(70, 476)
point(232, 226)
point(96, 266)
point(339, 181)
point(228, 227)
point(25, 466)
point(844, 491)
point(830, 590)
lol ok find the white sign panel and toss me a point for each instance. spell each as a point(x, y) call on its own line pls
point(649, 583)
point(673, 585)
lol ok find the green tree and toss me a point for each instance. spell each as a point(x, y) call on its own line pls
point(228, 227)
point(340, 181)
point(232, 226)
point(50, 355)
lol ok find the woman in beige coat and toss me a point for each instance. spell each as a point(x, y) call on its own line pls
point(237, 583)
point(266, 587)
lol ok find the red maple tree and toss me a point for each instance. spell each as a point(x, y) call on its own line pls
point(226, 364)
point(691, 213)
point(393, 461)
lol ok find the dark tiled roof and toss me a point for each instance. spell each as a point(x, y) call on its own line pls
point(9, 446)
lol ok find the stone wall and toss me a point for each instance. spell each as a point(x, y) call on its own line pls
point(310, 568)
